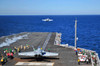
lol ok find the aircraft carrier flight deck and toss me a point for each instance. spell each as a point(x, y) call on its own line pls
point(66, 56)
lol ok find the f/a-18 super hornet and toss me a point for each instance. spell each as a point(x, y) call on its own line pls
point(47, 20)
point(39, 52)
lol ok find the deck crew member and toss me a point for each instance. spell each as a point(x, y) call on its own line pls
point(78, 61)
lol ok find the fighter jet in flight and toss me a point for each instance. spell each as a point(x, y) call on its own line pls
point(47, 20)
point(39, 52)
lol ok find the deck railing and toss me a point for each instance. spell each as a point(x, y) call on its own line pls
point(58, 41)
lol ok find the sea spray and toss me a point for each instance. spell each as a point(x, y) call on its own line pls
point(8, 41)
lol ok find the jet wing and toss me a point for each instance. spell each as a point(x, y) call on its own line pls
point(31, 54)
point(50, 54)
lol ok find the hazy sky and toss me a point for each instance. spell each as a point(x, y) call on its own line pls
point(49, 7)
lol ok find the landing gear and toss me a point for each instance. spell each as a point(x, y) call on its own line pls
point(38, 57)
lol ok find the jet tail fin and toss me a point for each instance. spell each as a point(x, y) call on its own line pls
point(33, 48)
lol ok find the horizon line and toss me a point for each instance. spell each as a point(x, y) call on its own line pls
point(48, 15)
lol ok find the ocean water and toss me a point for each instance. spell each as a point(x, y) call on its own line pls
point(88, 28)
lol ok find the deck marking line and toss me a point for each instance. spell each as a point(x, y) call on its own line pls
point(35, 63)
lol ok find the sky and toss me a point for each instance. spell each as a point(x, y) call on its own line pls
point(49, 7)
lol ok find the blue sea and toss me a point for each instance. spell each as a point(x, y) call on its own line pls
point(88, 28)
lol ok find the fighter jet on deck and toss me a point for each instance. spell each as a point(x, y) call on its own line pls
point(39, 52)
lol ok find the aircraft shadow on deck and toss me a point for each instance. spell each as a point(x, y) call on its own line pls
point(46, 59)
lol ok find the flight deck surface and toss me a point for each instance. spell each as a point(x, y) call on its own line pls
point(66, 56)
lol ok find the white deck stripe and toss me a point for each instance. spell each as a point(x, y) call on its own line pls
point(35, 63)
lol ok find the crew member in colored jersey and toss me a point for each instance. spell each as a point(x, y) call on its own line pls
point(78, 61)
point(11, 55)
